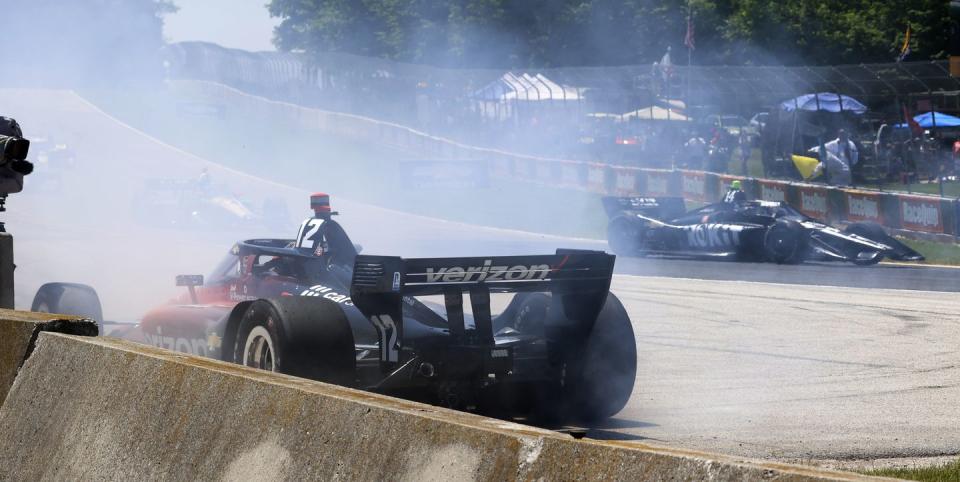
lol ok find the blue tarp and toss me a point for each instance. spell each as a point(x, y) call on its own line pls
point(824, 101)
point(926, 120)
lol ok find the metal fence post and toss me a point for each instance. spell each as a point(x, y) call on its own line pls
point(6, 271)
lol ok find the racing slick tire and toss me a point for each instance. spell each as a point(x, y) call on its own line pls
point(300, 336)
point(601, 379)
point(785, 242)
point(624, 235)
point(69, 299)
point(599, 370)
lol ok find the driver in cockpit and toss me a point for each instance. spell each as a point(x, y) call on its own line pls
point(735, 194)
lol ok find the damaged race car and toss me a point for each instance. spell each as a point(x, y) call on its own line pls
point(744, 230)
point(560, 346)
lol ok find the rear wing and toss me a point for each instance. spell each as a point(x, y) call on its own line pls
point(655, 207)
point(578, 280)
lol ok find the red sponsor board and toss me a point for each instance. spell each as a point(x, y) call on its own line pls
point(524, 169)
point(813, 202)
point(571, 174)
point(545, 171)
point(864, 207)
point(501, 167)
point(773, 191)
point(658, 183)
point(626, 181)
point(693, 186)
point(921, 214)
point(597, 178)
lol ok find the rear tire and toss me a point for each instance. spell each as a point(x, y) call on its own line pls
point(69, 299)
point(601, 380)
point(625, 236)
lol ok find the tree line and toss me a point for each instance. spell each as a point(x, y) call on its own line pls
point(556, 33)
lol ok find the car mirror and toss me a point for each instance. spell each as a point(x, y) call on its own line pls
point(189, 280)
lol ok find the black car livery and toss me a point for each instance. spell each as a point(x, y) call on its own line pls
point(746, 230)
point(532, 335)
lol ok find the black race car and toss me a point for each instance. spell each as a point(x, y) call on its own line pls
point(560, 346)
point(745, 230)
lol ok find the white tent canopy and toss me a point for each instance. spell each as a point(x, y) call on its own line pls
point(654, 112)
point(526, 87)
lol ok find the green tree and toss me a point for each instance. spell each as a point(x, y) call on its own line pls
point(511, 33)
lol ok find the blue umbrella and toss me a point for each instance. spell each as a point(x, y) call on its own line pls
point(927, 118)
point(824, 101)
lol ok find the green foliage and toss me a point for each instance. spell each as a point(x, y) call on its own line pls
point(942, 473)
point(505, 33)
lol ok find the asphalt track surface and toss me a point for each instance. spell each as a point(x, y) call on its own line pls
point(783, 362)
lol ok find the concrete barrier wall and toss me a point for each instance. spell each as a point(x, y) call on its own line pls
point(18, 332)
point(98, 408)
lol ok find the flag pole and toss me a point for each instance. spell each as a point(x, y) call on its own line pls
point(689, 43)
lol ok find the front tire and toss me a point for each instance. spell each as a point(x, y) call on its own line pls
point(785, 242)
point(300, 336)
point(70, 299)
point(258, 339)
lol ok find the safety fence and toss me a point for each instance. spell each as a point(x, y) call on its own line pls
point(901, 211)
point(585, 113)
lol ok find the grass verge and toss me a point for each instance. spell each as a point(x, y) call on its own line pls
point(936, 253)
point(942, 473)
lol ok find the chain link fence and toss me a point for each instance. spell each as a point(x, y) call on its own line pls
point(639, 115)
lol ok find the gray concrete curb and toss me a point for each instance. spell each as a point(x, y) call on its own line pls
point(18, 333)
point(98, 408)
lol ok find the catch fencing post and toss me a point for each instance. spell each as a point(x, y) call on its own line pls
point(6, 270)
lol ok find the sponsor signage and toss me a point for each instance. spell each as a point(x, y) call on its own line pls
point(501, 167)
point(694, 186)
point(921, 214)
point(813, 202)
point(545, 171)
point(597, 178)
point(658, 183)
point(570, 174)
point(525, 169)
point(771, 191)
point(625, 181)
point(864, 207)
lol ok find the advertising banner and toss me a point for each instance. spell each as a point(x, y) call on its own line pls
point(921, 214)
point(773, 191)
point(864, 207)
point(693, 186)
point(597, 178)
point(813, 202)
point(626, 181)
point(658, 183)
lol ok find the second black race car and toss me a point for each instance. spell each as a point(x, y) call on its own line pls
point(744, 230)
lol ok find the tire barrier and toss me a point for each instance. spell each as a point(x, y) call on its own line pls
point(907, 212)
point(107, 409)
